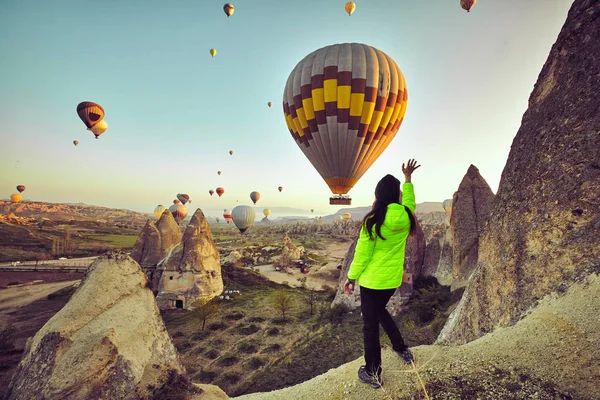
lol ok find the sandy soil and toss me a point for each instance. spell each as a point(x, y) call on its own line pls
point(556, 348)
point(316, 282)
point(14, 298)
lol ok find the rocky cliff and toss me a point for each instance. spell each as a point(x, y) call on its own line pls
point(192, 270)
point(543, 233)
point(470, 208)
point(108, 341)
point(154, 244)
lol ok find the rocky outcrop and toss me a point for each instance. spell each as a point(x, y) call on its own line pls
point(266, 221)
point(438, 248)
point(543, 233)
point(192, 270)
point(414, 256)
point(289, 252)
point(470, 208)
point(109, 341)
point(154, 243)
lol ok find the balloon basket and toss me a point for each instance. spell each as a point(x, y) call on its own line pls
point(340, 201)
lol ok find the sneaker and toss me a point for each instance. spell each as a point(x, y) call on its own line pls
point(369, 378)
point(406, 355)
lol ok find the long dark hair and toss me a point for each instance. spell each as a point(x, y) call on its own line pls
point(387, 192)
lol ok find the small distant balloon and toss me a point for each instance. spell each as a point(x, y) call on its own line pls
point(467, 4)
point(350, 7)
point(220, 191)
point(213, 52)
point(16, 198)
point(266, 212)
point(270, 104)
point(312, 210)
point(280, 188)
point(219, 172)
point(176, 202)
point(184, 198)
point(211, 192)
point(90, 113)
point(254, 196)
point(75, 142)
point(229, 9)
point(339, 218)
point(21, 188)
point(159, 210)
point(347, 216)
point(230, 152)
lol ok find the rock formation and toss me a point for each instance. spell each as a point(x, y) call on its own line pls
point(470, 208)
point(414, 255)
point(108, 342)
point(192, 270)
point(266, 221)
point(438, 249)
point(543, 233)
point(289, 252)
point(154, 243)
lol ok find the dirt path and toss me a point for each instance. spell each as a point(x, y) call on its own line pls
point(553, 351)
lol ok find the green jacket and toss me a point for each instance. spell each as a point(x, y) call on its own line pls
point(379, 264)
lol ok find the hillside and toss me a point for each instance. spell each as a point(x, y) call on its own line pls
point(552, 353)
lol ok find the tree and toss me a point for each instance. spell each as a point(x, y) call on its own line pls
point(204, 309)
point(282, 301)
point(310, 297)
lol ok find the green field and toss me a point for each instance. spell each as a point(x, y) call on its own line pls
point(117, 241)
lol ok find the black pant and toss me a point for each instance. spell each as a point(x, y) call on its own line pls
point(372, 306)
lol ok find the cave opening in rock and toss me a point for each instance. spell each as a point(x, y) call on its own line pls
point(179, 303)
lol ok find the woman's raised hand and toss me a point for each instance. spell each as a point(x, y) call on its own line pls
point(409, 169)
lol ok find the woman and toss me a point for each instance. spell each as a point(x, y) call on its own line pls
point(378, 267)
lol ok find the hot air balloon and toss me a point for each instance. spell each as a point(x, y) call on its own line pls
point(467, 4)
point(312, 210)
point(220, 191)
point(350, 7)
point(343, 105)
point(267, 212)
point(176, 202)
point(270, 104)
point(229, 9)
point(99, 128)
point(75, 142)
point(218, 220)
point(213, 52)
point(16, 198)
point(90, 113)
point(211, 192)
point(219, 172)
point(179, 212)
point(447, 205)
point(21, 188)
point(227, 216)
point(184, 198)
point(339, 218)
point(254, 196)
point(347, 216)
point(280, 188)
point(230, 152)
point(159, 210)
point(243, 217)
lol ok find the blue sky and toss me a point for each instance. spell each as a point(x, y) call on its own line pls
point(174, 112)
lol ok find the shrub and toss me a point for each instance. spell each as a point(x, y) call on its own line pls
point(215, 326)
point(247, 348)
point(228, 361)
point(205, 376)
point(274, 331)
point(231, 378)
point(248, 329)
point(235, 316)
point(256, 319)
point(336, 313)
point(256, 362)
point(178, 334)
point(212, 354)
point(198, 350)
point(274, 348)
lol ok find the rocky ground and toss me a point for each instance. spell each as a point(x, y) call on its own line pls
point(552, 353)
